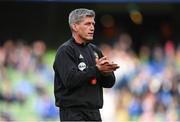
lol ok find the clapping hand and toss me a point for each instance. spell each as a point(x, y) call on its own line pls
point(105, 65)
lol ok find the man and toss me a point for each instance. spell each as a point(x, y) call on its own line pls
point(81, 71)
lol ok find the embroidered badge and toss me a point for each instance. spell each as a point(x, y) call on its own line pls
point(82, 66)
point(96, 55)
point(93, 81)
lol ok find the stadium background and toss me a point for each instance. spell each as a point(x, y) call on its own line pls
point(142, 37)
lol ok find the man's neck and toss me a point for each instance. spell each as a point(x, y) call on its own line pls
point(78, 39)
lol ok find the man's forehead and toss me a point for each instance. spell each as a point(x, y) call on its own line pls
point(88, 18)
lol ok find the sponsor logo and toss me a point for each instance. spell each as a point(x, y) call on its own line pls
point(82, 66)
point(80, 56)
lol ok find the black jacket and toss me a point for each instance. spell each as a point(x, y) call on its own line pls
point(75, 68)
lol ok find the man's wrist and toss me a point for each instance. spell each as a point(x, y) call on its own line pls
point(106, 73)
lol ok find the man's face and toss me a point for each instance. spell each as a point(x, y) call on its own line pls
point(85, 29)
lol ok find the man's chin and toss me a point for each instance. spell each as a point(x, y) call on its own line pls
point(90, 38)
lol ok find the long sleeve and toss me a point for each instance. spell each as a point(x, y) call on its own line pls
point(107, 81)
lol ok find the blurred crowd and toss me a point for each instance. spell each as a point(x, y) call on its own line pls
point(26, 82)
point(147, 87)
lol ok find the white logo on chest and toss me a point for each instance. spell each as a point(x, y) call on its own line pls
point(82, 66)
point(80, 56)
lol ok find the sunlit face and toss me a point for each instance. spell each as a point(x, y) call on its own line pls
point(85, 29)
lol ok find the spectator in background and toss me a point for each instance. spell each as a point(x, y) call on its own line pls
point(44, 105)
point(38, 51)
point(3, 73)
point(81, 71)
point(10, 48)
point(38, 66)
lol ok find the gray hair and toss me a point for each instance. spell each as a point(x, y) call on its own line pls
point(78, 14)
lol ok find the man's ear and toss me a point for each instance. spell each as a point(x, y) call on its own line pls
point(74, 27)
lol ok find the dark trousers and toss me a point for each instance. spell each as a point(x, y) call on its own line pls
point(79, 114)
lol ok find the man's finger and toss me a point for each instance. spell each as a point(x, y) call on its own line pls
point(104, 62)
point(103, 58)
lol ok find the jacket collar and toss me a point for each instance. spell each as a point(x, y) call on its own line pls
point(82, 44)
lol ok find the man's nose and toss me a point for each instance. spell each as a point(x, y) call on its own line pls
point(92, 27)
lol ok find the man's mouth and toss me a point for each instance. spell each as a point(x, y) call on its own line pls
point(91, 34)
